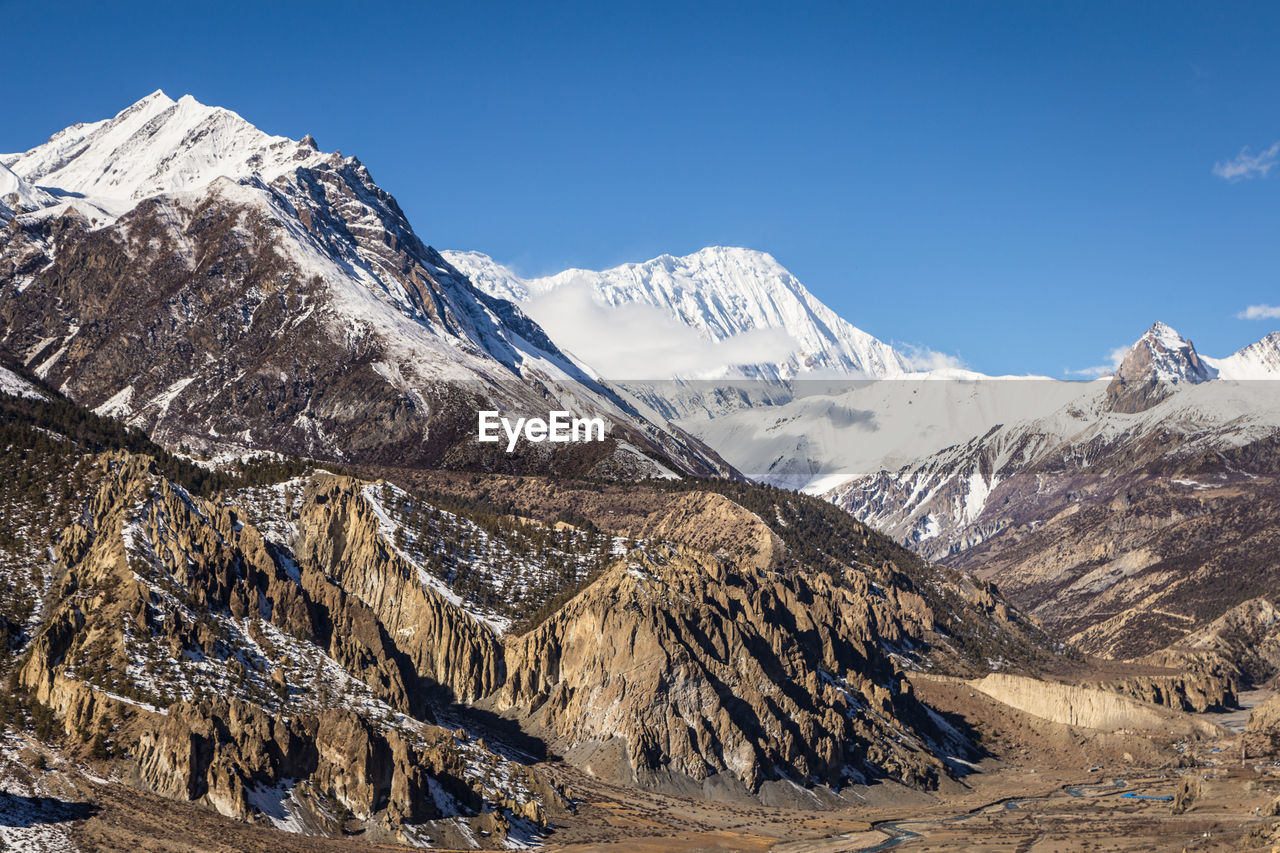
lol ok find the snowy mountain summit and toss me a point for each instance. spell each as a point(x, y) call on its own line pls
point(1163, 354)
point(761, 322)
point(158, 145)
point(277, 298)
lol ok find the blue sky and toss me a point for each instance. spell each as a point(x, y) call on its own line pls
point(1024, 185)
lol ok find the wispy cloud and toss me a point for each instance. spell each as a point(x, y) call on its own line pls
point(1246, 164)
point(1099, 370)
point(922, 358)
point(1260, 312)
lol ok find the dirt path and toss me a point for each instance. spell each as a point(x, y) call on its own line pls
point(1236, 719)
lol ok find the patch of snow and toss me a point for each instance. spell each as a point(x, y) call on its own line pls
point(117, 404)
point(277, 804)
point(14, 385)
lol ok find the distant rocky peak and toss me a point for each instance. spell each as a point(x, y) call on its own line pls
point(1163, 354)
point(1160, 360)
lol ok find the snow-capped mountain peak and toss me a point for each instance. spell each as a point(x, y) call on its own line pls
point(154, 146)
point(1160, 361)
point(314, 265)
point(723, 294)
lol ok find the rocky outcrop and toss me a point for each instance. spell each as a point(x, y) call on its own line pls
point(1189, 790)
point(339, 535)
point(216, 751)
point(1089, 708)
point(307, 700)
point(1191, 691)
point(1265, 718)
point(1243, 643)
point(713, 524)
point(723, 664)
point(1160, 360)
point(220, 753)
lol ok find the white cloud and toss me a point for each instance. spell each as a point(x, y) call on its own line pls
point(922, 358)
point(1246, 165)
point(643, 342)
point(1260, 312)
point(1099, 370)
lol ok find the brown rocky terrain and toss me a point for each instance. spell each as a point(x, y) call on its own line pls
point(475, 649)
point(1244, 642)
point(326, 653)
point(1135, 563)
point(1124, 546)
point(1127, 522)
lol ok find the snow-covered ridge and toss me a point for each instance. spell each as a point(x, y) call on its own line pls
point(1166, 356)
point(358, 264)
point(17, 195)
point(721, 293)
point(155, 146)
point(943, 502)
point(1256, 361)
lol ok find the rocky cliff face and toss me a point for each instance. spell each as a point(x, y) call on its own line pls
point(1243, 643)
point(169, 603)
point(340, 535)
point(1199, 690)
point(1074, 705)
point(725, 669)
point(1265, 718)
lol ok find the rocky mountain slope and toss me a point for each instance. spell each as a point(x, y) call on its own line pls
point(234, 291)
point(1153, 368)
point(822, 434)
point(1244, 642)
point(325, 653)
point(1138, 512)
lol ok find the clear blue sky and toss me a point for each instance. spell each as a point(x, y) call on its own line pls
point(1025, 184)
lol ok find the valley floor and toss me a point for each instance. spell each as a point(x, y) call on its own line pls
point(1042, 787)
